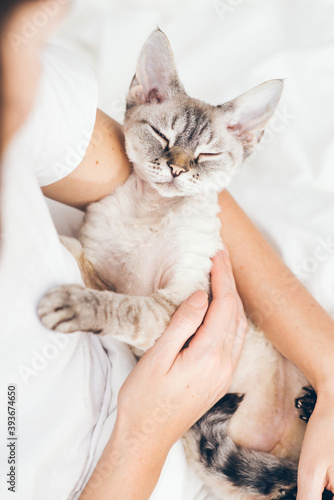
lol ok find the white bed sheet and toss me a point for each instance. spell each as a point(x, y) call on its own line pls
point(223, 48)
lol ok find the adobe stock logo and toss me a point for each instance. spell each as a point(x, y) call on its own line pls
point(223, 7)
point(40, 359)
point(31, 26)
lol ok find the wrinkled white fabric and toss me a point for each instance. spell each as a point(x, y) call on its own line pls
point(63, 393)
point(63, 388)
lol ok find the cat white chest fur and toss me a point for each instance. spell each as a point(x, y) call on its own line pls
point(139, 241)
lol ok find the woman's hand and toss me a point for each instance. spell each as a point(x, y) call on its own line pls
point(316, 464)
point(171, 388)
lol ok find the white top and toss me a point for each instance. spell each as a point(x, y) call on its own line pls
point(63, 389)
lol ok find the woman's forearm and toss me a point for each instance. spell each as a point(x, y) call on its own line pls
point(273, 297)
point(122, 473)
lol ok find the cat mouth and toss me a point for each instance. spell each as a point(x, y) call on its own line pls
point(171, 182)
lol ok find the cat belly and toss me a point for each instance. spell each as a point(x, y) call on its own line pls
point(267, 419)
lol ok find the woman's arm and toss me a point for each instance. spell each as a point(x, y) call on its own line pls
point(170, 389)
point(300, 329)
point(104, 167)
point(273, 297)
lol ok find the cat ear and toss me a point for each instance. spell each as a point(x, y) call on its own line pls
point(156, 77)
point(250, 112)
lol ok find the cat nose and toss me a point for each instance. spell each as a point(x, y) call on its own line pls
point(176, 169)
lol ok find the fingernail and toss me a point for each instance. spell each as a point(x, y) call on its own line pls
point(198, 299)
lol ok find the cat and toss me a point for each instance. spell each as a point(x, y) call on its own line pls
point(146, 247)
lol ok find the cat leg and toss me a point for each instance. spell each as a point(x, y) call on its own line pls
point(305, 402)
point(226, 467)
point(88, 274)
point(139, 321)
point(73, 246)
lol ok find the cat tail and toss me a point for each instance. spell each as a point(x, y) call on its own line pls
point(249, 472)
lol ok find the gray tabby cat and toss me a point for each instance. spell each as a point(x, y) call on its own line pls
point(146, 247)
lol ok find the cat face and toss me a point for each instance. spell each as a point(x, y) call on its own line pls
point(180, 145)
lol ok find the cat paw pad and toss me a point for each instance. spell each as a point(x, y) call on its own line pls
point(68, 308)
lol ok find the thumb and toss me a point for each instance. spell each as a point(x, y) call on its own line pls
point(184, 323)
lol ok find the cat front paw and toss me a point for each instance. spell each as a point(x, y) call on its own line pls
point(70, 308)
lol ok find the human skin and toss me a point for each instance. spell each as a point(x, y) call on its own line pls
point(297, 325)
point(20, 63)
point(94, 178)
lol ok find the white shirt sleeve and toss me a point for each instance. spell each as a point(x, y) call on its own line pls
point(60, 128)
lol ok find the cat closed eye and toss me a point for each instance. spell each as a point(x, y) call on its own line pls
point(160, 136)
point(207, 156)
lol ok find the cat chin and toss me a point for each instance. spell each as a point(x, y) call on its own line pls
point(170, 190)
point(167, 190)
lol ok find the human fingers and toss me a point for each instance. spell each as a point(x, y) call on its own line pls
point(183, 324)
point(239, 335)
point(221, 274)
point(225, 320)
point(233, 335)
point(222, 278)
